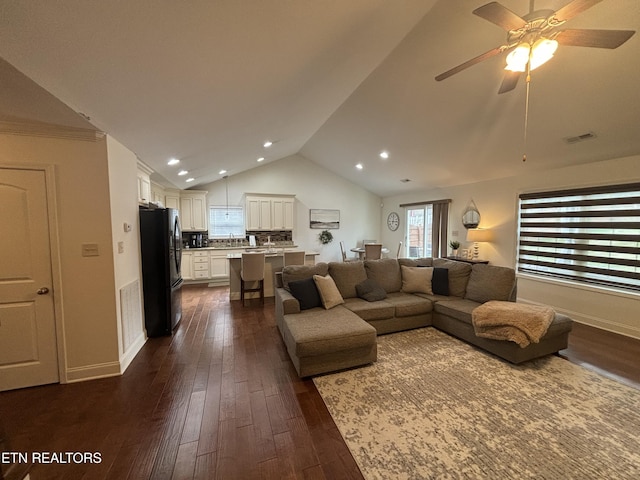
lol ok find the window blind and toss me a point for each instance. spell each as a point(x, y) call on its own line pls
point(226, 221)
point(589, 235)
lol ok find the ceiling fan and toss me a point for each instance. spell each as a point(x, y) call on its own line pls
point(533, 39)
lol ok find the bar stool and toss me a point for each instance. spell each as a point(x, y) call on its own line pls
point(372, 251)
point(252, 270)
point(293, 258)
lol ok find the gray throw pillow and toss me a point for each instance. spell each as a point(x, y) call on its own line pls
point(370, 291)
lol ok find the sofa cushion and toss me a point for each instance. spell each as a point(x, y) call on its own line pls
point(459, 308)
point(385, 272)
point(347, 275)
point(380, 310)
point(328, 291)
point(306, 292)
point(416, 262)
point(417, 279)
point(490, 282)
point(458, 275)
point(370, 291)
point(440, 281)
point(291, 273)
point(408, 305)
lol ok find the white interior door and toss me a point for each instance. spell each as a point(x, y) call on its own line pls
point(28, 352)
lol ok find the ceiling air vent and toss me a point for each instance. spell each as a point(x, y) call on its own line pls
point(580, 138)
point(405, 180)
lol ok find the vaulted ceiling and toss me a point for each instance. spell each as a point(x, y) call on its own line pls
point(337, 81)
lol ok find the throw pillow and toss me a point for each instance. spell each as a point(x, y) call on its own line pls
point(440, 281)
point(417, 279)
point(329, 293)
point(371, 291)
point(306, 292)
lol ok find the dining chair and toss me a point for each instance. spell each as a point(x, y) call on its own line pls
point(293, 258)
point(372, 251)
point(344, 254)
point(252, 271)
point(399, 249)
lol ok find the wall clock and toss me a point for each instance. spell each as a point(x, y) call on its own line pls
point(393, 221)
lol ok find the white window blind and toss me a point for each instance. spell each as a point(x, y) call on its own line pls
point(226, 221)
point(589, 235)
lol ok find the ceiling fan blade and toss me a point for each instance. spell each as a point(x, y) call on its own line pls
point(500, 15)
point(594, 38)
point(572, 9)
point(509, 81)
point(469, 63)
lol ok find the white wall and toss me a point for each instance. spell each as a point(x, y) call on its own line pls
point(83, 210)
point(124, 209)
point(497, 202)
point(314, 187)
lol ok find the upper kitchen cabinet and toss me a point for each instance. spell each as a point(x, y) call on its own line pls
point(193, 210)
point(269, 212)
point(157, 193)
point(144, 183)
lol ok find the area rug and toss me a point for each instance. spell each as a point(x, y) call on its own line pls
point(433, 407)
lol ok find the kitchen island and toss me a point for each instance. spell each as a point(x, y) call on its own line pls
point(273, 263)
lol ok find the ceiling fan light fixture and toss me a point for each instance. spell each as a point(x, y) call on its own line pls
point(518, 58)
point(542, 51)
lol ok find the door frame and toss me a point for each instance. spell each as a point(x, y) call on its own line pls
point(49, 171)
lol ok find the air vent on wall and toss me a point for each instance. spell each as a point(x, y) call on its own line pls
point(580, 138)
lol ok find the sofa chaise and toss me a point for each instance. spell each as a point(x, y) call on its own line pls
point(329, 314)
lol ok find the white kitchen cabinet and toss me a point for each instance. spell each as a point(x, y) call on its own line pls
point(282, 214)
point(186, 267)
point(200, 264)
point(219, 265)
point(193, 211)
point(157, 193)
point(172, 199)
point(144, 183)
point(265, 212)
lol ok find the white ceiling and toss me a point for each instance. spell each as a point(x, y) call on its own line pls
point(334, 80)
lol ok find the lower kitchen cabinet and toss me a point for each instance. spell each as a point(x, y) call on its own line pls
point(186, 266)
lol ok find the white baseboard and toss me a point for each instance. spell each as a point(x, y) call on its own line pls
point(92, 372)
point(131, 353)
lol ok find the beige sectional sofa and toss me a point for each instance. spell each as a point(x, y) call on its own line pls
point(369, 298)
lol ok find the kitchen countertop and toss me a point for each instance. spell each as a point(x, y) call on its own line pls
point(240, 247)
point(275, 253)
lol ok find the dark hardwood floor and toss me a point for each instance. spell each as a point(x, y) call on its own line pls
point(218, 400)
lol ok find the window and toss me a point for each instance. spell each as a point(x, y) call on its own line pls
point(589, 235)
point(226, 221)
point(426, 228)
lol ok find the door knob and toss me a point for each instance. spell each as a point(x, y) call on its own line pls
point(42, 291)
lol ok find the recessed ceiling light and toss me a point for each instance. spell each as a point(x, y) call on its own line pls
point(384, 154)
point(173, 161)
point(182, 172)
point(191, 179)
point(261, 159)
point(267, 144)
point(359, 166)
point(222, 172)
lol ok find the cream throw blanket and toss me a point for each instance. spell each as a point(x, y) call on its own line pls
point(520, 323)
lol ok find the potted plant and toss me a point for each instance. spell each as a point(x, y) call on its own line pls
point(455, 245)
point(325, 237)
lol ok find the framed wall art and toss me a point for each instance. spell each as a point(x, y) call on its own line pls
point(323, 218)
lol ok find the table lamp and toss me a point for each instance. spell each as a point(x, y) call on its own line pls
point(477, 235)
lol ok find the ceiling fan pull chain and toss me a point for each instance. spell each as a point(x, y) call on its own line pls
point(526, 113)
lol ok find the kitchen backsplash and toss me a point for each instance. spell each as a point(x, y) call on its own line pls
point(278, 237)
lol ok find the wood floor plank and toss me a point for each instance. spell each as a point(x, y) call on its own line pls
point(219, 399)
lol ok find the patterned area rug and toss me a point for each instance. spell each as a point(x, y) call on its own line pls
point(433, 407)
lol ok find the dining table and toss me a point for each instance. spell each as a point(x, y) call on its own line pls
point(360, 251)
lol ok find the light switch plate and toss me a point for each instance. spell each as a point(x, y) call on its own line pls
point(90, 250)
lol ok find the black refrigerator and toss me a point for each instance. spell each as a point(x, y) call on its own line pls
point(161, 249)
